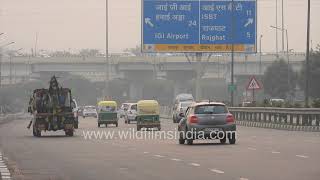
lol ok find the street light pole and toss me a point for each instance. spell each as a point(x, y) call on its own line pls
point(260, 57)
point(307, 58)
point(107, 51)
point(277, 48)
point(288, 60)
point(282, 26)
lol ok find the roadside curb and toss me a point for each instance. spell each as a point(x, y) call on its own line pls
point(278, 126)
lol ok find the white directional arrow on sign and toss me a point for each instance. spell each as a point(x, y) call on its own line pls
point(249, 21)
point(148, 21)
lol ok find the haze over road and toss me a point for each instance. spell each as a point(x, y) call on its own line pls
point(260, 154)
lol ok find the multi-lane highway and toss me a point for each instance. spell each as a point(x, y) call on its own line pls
point(259, 154)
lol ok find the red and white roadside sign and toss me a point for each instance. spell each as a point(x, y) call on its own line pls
point(254, 84)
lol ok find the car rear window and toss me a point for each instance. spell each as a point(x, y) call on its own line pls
point(211, 109)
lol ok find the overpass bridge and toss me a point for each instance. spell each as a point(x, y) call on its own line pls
point(137, 70)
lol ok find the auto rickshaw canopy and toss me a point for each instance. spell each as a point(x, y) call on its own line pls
point(108, 103)
point(148, 107)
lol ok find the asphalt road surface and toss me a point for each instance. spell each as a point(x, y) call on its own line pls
point(259, 154)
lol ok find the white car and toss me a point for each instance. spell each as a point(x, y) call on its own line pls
point(131, 113)
point(123, 109)
point(89, 111)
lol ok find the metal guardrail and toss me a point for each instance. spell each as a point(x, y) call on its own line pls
point(286, 116)
point(292, 119)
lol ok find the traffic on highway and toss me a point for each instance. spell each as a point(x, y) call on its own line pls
point(159, 90)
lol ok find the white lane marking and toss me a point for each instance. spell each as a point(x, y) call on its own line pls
point(145, 152)
point(174, 159)
point(3, 169)
point(275, 152)
point(159, 156)
point(5, 174)
point(194, 164)
point(6, 177)
point(302, 156)
point(1, 166)
point(217, 171)
point(244, 179)
point(253, 149)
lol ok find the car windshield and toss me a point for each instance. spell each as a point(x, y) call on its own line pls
point(90, 108)
point(185, 104)
point(107, 109)
point(134, 107)
point(124, 106)
point(211, 109)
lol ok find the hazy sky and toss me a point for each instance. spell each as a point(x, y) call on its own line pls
point(76, 24)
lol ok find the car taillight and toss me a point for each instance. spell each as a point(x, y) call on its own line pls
point(193, 119)
point(230, 119)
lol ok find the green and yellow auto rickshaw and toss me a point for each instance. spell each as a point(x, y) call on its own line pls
point(148, 114)
point(107, 113)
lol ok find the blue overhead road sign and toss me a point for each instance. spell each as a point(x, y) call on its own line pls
point(199, 25)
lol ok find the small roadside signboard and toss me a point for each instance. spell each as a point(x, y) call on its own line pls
point(254, 85)
point(232, 87)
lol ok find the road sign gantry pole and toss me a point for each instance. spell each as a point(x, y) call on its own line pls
point(232, 53)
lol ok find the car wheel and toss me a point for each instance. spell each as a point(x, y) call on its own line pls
point(106, 125)
point(138, 128)
point(116, 124)
point(223, 141)
point(189, 141)
point(232, 139)
point(98, 125)
point(69, 133)
point(128, 121)
point(181, 140)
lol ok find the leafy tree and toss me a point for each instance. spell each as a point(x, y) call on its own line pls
point(275, 79)
point(314, 74)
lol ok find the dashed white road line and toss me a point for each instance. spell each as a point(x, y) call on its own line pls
point(302, 156)
point(194, 164)
point(159, 156)
point(244, 179)
point(275, 152)
point(217, 171)
point(174, 159)
point(253, 149)
point(6, 177)
point(145, 152)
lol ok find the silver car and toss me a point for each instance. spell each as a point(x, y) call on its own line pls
point(207, 121)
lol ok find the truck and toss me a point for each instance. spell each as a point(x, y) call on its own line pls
point(52, 110)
